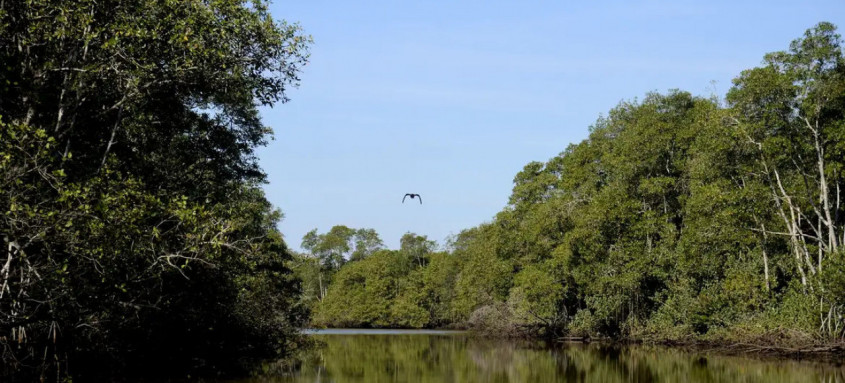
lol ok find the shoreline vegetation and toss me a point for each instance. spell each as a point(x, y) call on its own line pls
point(708, 223)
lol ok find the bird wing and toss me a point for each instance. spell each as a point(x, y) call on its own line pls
point(420, 197)
point(403, 198)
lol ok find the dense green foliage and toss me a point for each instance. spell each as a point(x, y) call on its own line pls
point(678, 217)
point(132, 224)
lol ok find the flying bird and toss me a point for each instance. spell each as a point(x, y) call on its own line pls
point(412, 197)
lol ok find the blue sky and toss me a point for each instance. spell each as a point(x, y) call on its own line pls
point(450, 99)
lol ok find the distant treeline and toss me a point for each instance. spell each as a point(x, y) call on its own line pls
point(135, 238)
point(680, 218)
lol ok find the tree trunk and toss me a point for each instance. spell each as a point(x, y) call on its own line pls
point(7, 267)
point(790, 225)
point(320, 279)
point(824, 192)
point(765, 257)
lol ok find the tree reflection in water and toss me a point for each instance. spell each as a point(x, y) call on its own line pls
point(461, 358)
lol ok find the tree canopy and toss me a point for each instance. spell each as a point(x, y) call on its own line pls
point(679, 217)
point(134, 229)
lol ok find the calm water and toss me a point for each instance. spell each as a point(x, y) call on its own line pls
point(421, 356)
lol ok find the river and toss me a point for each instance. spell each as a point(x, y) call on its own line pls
point(375, 356)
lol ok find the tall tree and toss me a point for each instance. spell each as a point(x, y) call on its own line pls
point(337, 246)
point(416, 247)
point(791, 112)
point(367, 242)
point(135, 229)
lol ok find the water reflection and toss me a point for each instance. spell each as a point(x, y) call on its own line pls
point(461, 358)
